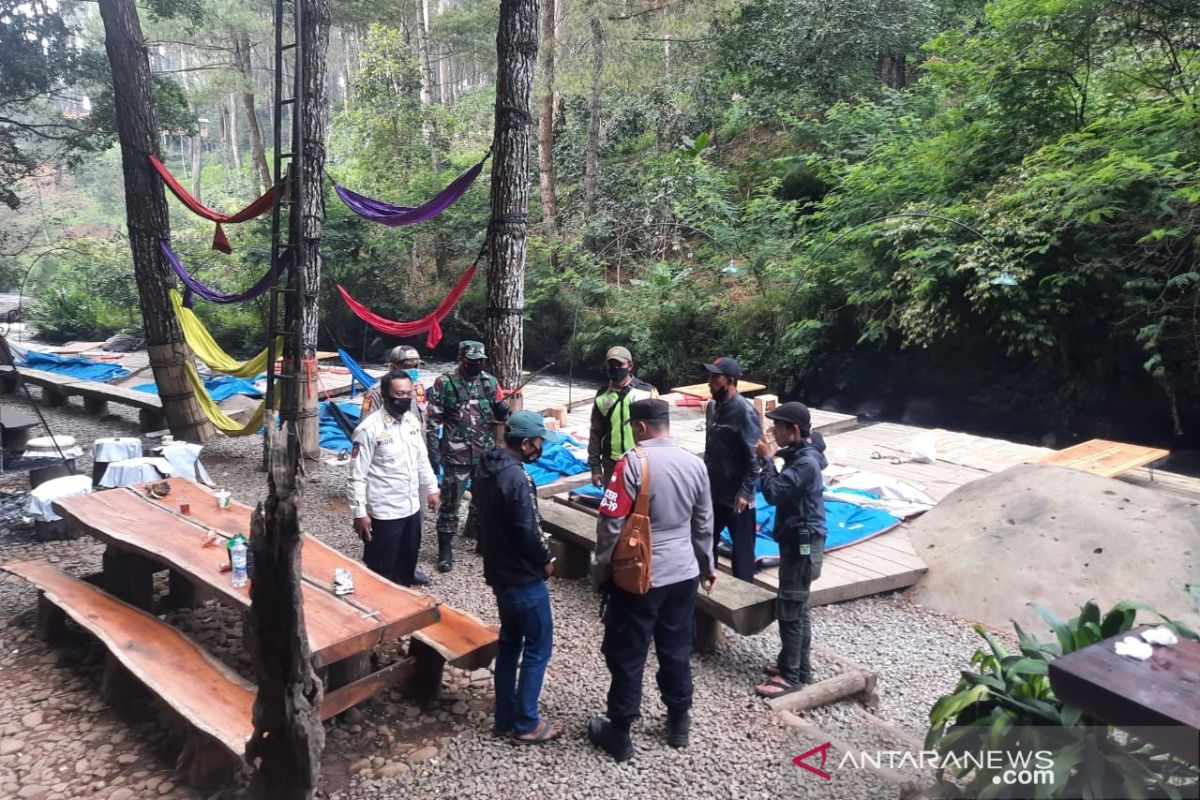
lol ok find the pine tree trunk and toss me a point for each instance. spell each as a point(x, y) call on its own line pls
point(262, 172)
point(147, 219)
point(427, 88)
point(197, 165)
point(546, 122)
point(592, 157)
point(517, 52)
point(235, 145)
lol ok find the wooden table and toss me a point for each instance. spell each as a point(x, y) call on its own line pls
point(144, 534)
point(1157, 700)
point(701, 389)
point(1102, 457)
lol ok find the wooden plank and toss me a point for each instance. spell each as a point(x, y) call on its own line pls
point(75, 348)
point(1158, 699)
point(462, 639)
point(119, 517)
point(1103, 457)
point(209, 695)
point(366, 687)
point(70, 386)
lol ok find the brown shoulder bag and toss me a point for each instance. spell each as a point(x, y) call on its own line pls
point(631, 558)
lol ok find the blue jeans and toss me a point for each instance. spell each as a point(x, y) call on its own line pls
point(526, 635)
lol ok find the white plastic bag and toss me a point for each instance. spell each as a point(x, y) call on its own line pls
point(924, 449)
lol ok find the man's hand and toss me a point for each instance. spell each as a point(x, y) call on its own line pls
point(434, 501)
point(740, 504)
point(549, 568)
point(362, 526)
point(598, 478)
point(707, 582)
point(763, 448)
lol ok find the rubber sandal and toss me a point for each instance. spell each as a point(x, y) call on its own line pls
point(545, 733)
point(771, 669)
point(777, 686)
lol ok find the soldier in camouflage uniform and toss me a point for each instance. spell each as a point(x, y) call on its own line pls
point(464, 404)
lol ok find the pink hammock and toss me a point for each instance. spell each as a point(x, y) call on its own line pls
point(220, 242)
point(431, 322)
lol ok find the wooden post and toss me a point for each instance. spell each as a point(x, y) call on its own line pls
point(556, 413)
point(708, 633)
point(53, 397)
point(425, 683)
point(129, 577)
point(51, 623)
point(181, 593)
point(96, 406)
point(573, 562)
point(762, 404)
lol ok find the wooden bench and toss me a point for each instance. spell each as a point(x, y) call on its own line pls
point(96, 396)
point(743, 606)
point(215, 702)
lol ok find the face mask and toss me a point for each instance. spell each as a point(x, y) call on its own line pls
point(720, 394)
point(412, 373)
point(536, 455)
point(618, 374)
point(471, 369)
point(400, 405)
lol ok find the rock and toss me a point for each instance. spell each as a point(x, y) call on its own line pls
point(81, 766)
point(394, 769)
point(33, 790)
point(377, 762)
point(124, 793)
point(459, 708)
point(32, 719)
point(362, 765)
point(422, 755)
point(165, 787)
point(152, 783)
point(351, 717)
point(122, 343)
point(126, 758)
point(10, 746)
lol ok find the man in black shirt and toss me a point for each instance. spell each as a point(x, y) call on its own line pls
point(732, 432)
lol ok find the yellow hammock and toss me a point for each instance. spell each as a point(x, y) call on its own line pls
point(204, 346)
point(226, 424)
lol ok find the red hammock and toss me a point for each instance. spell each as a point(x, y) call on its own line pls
point(258, 207)
point(430, 322)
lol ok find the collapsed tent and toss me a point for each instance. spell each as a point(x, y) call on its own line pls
point(222, 387)
point(560, 457)
point(195, 287)
point(259, 207)
point(431, 322)
point(82, 368)
point(395, 216)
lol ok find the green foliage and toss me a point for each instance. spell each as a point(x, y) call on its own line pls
point(1006, 703)
point(84, 292)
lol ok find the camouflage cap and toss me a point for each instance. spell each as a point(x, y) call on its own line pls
point(471, 349)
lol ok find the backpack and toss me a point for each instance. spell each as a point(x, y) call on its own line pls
point(631, 557)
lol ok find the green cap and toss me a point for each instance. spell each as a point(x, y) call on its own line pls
point(526, 424)
point(471, 349)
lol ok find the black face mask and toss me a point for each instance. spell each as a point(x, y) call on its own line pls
point(720, 394)
point(470, 369)
point(618, 374)
point(400, 405)
point(536, 455)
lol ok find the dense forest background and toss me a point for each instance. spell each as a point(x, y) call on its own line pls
point(712, 174)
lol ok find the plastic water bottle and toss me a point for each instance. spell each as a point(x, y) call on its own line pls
point(238, 555)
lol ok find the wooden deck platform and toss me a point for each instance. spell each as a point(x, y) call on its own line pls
point(1103, 457)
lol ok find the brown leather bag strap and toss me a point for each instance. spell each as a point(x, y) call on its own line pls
point(642, 504)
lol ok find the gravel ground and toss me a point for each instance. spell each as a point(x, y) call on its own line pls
point(60, 740)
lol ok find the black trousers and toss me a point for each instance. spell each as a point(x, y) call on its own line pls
point(394, 547)
point(665, 614)
point(742, 526)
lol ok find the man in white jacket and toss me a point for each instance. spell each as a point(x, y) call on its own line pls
point(389, 474)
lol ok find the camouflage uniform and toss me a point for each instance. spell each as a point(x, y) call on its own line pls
point(465, 409)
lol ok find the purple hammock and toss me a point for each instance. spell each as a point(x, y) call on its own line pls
point(195, 287)
point(396, 216)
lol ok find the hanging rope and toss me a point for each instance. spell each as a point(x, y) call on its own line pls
point(223, 422)
point(212, 295)
point(431, 322)
point(397, 216)
point(220, 242)
point(207, 349)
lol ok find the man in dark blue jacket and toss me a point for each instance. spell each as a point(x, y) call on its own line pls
point(732, 429)
point(516, 564)
point(798, 496)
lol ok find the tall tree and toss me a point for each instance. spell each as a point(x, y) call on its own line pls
point(427, 87)
point(288, 735)
point(546, 120)
point(592, 158)
point(517, 51)
point(242, 53)
point(147, 219)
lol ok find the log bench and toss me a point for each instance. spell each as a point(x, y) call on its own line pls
point(745, 607)
point(458, 639)
point(96, 396)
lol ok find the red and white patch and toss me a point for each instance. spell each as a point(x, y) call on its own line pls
point(354, 451)
point(616, 502)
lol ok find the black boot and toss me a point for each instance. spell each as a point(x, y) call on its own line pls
point(612, 741)
point(445, 561)
point(678, 726)
point(420, 578)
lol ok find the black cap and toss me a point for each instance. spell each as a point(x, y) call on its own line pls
point(793, 414)
point(650, 410)
point(725, 365)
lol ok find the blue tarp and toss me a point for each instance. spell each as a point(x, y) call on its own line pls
point(221, 388)
point(332, 436)
point(556, 460)
point(82, 368)
point(359, 374)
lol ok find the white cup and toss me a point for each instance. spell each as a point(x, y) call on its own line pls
point(222, 496)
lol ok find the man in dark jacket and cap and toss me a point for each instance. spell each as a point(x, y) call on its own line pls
point(516, 564)
point(797, 493)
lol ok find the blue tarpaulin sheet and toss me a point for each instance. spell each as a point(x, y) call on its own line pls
point(557, 460)
point(359, 374)
point(221, 388)
point(82, 368)
point(332, 435)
